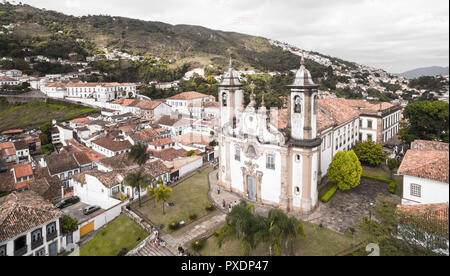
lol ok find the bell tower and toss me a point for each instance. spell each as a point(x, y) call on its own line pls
point(302, 106)
point(231, 98)
point(303, 143)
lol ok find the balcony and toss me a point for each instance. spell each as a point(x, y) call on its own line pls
point(37, 243)
point(51, 236)
point(20, 251)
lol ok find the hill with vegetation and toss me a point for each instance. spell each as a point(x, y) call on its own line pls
point(53, 34)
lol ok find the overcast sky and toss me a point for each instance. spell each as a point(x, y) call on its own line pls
point(395, 35)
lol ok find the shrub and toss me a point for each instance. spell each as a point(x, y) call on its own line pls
point(174, 225)
point(326, 197)
point(345, 170)
point(209, 207)
point(217, 233)
point(192, 216)
point(370, 153)
point(198, 245)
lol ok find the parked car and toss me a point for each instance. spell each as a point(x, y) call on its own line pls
point(67, 202)
point(90, 209)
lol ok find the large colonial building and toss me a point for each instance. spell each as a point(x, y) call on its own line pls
point(278, 157)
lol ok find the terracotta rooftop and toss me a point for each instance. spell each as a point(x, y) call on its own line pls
point(7, 149)
point(110, 144)
point(145, 135)
point(46, 186)
point(161, 142)
point(154, 168)
point(427, 159)
point(146, 104)
point(7, 182)
point(21, 170)
point(338, 109)
point(108, 179)
point(58, 163)
point(20, 145)
point(167, 120)
point(188, 96)
point(20, 212)
point(168, 154)
point(116, 162)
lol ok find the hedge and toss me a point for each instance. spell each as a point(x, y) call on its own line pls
point(392, 184)
point(326, 197)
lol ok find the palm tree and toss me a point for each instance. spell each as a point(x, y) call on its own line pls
point(151, 190)
point(163, 193)
point(282, 229)
point(138, 154)
point(243, 225)
point(138, 180)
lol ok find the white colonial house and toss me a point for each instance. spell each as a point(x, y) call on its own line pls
point(95, 187)
point(5, 81)
point(102, 92)
point(184, 103)
point(425, 170)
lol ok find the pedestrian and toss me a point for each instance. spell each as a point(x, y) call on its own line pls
point(154, 244)
point(180, 250)
point(229, 208)
point(218, 190)
point(224, 204)
point(235, 203)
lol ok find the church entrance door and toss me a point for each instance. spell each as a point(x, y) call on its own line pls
point(251, 188)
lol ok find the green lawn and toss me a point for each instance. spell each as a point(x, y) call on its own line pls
point(34, 114)
point(120, 233)
point(189, 196)
point(385, 173)
point(318, 242)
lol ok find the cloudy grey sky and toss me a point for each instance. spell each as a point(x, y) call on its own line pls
point(396, 35)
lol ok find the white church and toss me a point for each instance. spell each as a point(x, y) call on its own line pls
point(278, 158)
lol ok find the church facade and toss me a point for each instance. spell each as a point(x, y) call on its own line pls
point(278, 157)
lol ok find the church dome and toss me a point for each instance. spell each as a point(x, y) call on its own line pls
point(303, 77)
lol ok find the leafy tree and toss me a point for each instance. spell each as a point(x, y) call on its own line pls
point(369, 153)
point(69, 224)
point(243, 225)
point(428, 120)
point(213, 143)
point(392, 164)
point(163, 193)
point(190, 153)
point(44, 139)
point(345, 170)
point(138, 154)
point(138, 180)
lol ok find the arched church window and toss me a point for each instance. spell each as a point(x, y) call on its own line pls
point(224, 99)
point(251, 151)
point(297, 104)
